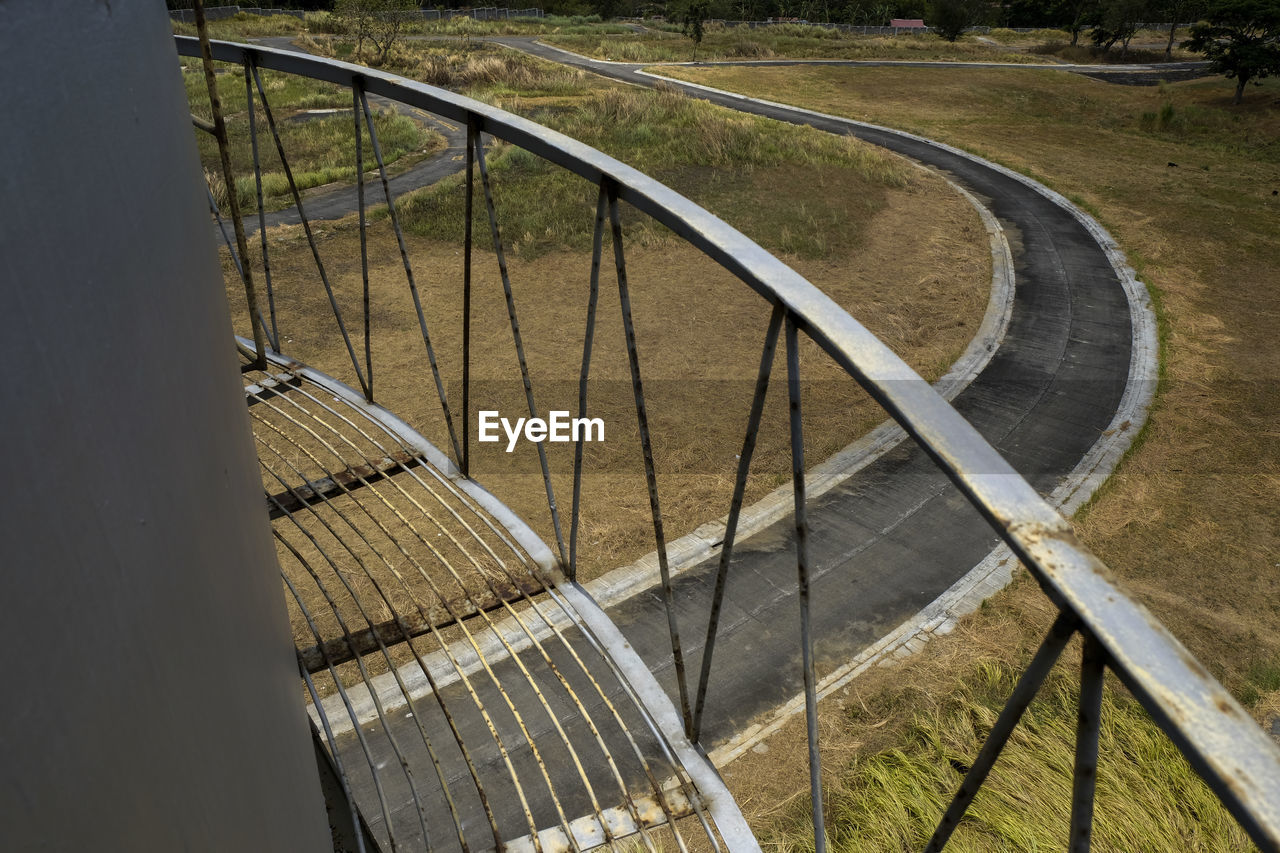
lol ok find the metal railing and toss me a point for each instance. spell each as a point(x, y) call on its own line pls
point(1221, 742)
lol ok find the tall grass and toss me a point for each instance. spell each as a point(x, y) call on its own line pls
point(689, 144)
point(244, 25)
point(793, 41)
point(1148, 798)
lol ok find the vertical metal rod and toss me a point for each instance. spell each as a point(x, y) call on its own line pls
point(597, 242)
point(262, 213)
point(333, 672)
point(1028, 685)
point(222, 227)
point(735, 509)
point(802, 567)
point(306, 227)
point(1088, 723)
point(356, 95)
point(229, 179)
point(408, 271)
point(466, 303)
point(236, 260)
point(646, 446)
point(515, 333)
point(358, 825)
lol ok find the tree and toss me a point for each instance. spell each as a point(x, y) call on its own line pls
point(1177, 11)
point(377, 21)
point(693, 16)
point(389, 23)
point(1118, 22)
point(950, 18)
point(1241, 40)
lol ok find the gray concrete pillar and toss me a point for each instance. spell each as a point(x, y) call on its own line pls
point(149, 699)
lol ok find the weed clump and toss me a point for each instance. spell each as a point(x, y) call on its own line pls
point(893, 799)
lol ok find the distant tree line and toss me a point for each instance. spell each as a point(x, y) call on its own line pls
point(1241, 38)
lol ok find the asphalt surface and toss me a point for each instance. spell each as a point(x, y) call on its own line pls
point(883, 545)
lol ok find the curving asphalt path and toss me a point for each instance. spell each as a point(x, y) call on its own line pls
point(890, 540)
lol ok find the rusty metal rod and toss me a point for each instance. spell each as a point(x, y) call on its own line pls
point(306, 227)
point(575, 514)
point(466, 304)
point(229, 180)
point(646, 447)
point(262, 211)
point(1028, 685)
point(802, 570)
point(1088, 723)
point(408, 270)
point(515, 333)
point(735, 509)
point(364, 237)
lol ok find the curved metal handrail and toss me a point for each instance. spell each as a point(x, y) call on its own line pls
point(1217, 736)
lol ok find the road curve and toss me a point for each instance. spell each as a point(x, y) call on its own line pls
point(894, 537)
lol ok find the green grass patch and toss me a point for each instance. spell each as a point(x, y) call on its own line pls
point(1148, 797)
point(320, 147)
point(743, 167)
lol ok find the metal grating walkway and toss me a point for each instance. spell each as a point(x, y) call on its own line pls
point(470, 698)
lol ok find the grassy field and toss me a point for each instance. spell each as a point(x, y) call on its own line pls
point(316, 129)
point(791, 41)
point(1190, 186)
